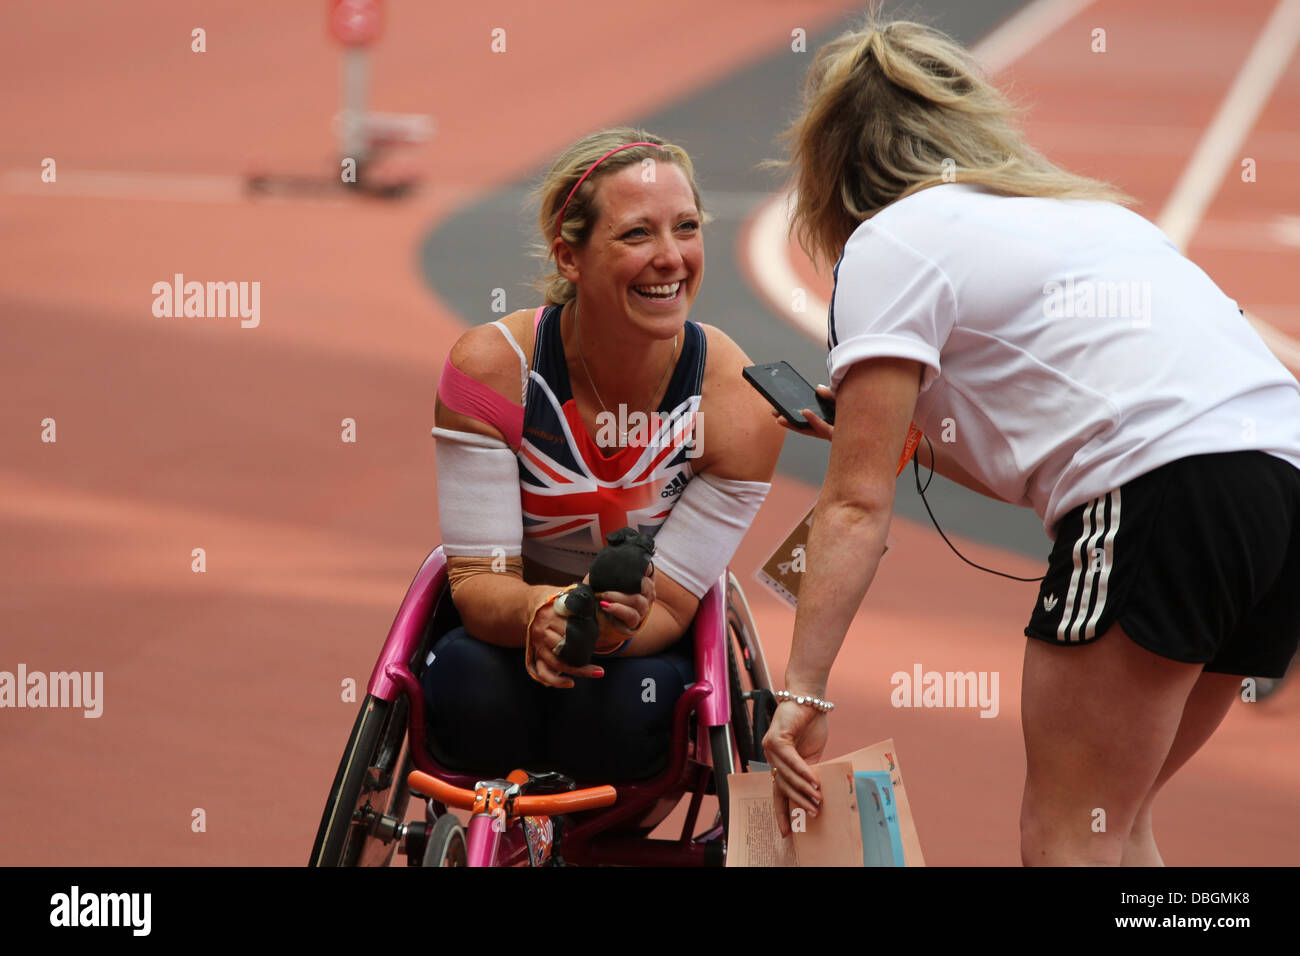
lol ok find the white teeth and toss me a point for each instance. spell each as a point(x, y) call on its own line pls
point(663, 290)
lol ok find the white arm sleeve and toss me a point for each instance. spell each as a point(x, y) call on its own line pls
point(478, 495)
point(700, 536)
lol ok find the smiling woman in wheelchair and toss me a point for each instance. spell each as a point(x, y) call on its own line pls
point(559, 425)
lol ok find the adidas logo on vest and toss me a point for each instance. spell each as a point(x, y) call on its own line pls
point(674, 487)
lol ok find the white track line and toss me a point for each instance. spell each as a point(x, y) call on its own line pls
point(766, 247)
point(1221, 144)
point(199, 188)
point(767, 259)
point(1024, 30)
point(1220, 147)
point(172, 187)
point(108, 184)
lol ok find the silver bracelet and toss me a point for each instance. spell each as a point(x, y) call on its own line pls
point(824, 706)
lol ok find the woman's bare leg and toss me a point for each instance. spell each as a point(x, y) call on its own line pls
point(1099, 723)
point(1206, 707)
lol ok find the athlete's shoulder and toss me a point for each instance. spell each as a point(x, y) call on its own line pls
point(484, 354)
point(741, 439)
point(721, 348)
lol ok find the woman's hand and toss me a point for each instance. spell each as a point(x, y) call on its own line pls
point(795, 739)
point(820, 427)
point(546, 635)
point(624, 613)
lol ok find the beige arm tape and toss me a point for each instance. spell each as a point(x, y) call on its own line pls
point(460, 570)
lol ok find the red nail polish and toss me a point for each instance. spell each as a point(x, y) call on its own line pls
point(600, 672)
point(604, 604)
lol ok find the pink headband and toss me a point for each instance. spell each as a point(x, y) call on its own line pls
point(559, 222)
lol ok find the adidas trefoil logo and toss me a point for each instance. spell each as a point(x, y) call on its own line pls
point(1049, 603)
point(674, 487)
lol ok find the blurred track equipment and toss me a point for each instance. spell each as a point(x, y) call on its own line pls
point(363, 137)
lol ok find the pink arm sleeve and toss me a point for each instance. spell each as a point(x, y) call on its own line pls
point(471, 398)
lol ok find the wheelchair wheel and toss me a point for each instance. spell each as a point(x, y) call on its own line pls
point(369, 795)
point(752, 703)
point(446, 846)
point(740, 720)
point(724, 763)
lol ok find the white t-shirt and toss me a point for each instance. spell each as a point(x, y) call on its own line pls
point(1069, 346)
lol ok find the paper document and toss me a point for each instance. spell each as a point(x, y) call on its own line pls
point(839, 834)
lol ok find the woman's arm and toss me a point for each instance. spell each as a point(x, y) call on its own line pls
point(495, 607)
point(739, 441)
point(942, 461)
point(851, 521)
point(672, 608)
point(876, 401)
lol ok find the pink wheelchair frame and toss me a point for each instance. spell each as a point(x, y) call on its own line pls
point(364, 820)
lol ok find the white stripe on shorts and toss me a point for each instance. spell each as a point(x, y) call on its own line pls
point(1067, 612)
point(1078, 624)
point(1108, 552)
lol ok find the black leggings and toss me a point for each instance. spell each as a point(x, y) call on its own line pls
point(487, 715)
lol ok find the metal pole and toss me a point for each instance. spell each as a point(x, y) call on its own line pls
point(356, 75)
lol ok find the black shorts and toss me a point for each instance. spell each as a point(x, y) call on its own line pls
point(1198, 561)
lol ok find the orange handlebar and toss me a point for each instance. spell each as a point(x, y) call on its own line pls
point(571, 802)
point(422, 783)
point(524, 806)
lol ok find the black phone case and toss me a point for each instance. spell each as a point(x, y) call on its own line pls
point(781, 385)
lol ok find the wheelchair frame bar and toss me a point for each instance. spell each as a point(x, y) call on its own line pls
point(408, 625)
point(711, 656)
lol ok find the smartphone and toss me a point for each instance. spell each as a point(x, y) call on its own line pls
point(789, 392)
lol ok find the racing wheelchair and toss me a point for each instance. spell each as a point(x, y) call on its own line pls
point(717, 727)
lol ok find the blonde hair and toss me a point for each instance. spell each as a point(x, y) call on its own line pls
point(582, 212)
point(895, 108)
